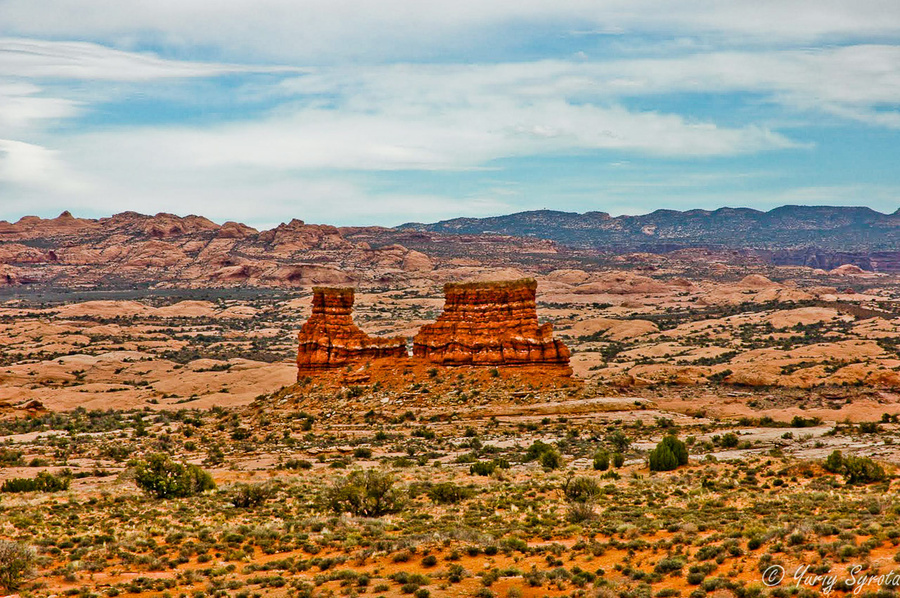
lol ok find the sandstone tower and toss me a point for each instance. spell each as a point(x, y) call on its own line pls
point(330, 339)
point(490, 323)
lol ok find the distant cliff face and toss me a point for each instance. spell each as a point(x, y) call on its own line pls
point(134, 249)
point(790, 235)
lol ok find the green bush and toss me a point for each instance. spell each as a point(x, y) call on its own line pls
point(545, 454)
point(42, 482)
point(163, 478)
point(551, 459)
point(581, 489)
point(482, 468)
point(619, 441)
point(618, 460)
point(16, 562)
point(536, 449)
point(862, 470)
point(245, 496)
point(601, 460)
point(368, 493)
point(834, 463)
point(449, 493)
point(857, 470)
point(668, 565)
point(730, 440)
point(669, 454)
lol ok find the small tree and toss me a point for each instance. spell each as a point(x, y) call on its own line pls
point(662, 459)
point(164, 478)
point(16, 562)
point(669, 454)
point(368, 493)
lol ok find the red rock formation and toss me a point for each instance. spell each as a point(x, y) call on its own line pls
point(330, 339)
point(490, 323)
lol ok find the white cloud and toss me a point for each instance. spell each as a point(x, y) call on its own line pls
point(36, 168)
point(413, 116)
point(42, 59)
point(23, 108)
point(325, 31)
point(260, 201)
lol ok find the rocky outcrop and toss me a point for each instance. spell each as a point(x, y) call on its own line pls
point(330, 339)
point(490, 323)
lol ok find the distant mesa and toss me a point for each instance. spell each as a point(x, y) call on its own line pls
point(483, 324)
point(330, 339)
point(490, 323)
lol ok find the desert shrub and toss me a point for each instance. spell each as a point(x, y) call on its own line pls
point(618, 460)
point(545, 454)
point(536, 449)
point(164, 478)
point(580, 511)
point(42, 482)
point(551, 459)
point(581, 489)
point(362, 453)
point(619, 441)
point(245, 496)
point(297, 464)
point(601, 460)
point(862, 470)
point(668, 565)
point(482, 468)
point(730, 440)
point(449, 493)
point(669, 454)
point(834, 463)
point(16, 562)
point(368, 493)
point(662, 459)
point(857, 470)
point(10, 458)
point(241, 434)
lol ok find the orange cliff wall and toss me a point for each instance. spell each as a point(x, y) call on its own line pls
point(330, 339)
point(491, 323)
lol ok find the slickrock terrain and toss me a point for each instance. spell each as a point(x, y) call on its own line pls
point(167, 250)
point(330, 339)
point(490, 323)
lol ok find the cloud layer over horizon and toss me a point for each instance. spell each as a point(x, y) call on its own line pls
point(353, 112)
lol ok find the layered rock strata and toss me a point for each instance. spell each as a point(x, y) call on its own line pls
point(490, 323)
point(330, 339)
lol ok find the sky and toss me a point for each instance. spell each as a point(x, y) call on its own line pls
point(357, 112)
